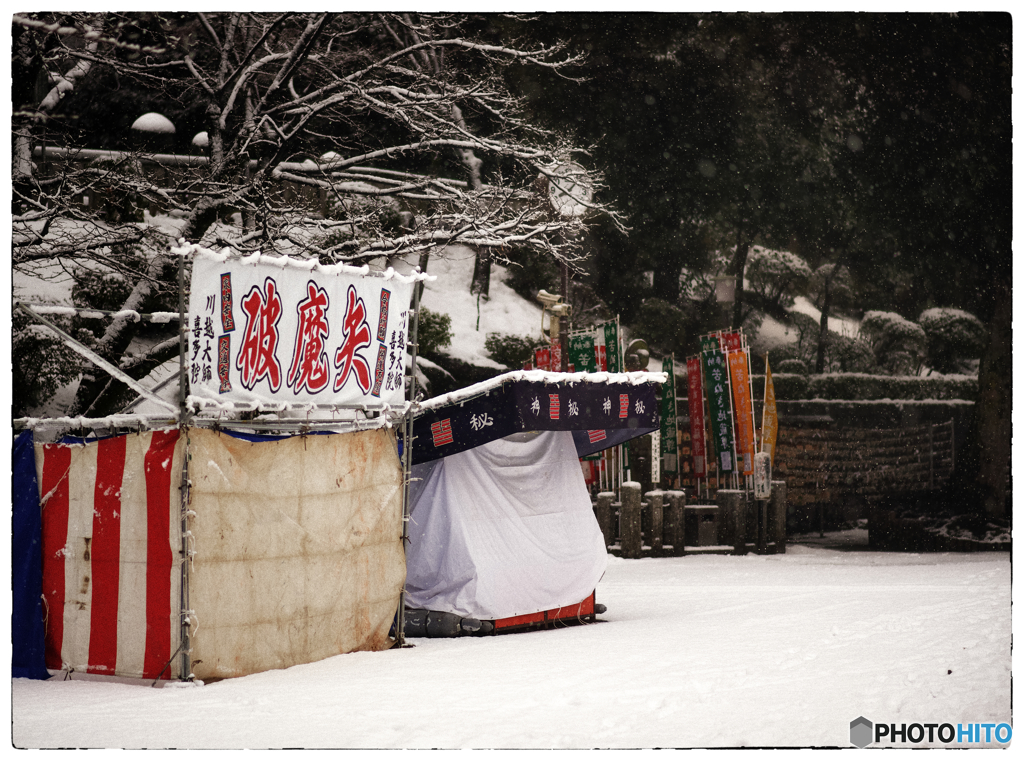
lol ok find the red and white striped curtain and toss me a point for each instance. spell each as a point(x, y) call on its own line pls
point(111, 534)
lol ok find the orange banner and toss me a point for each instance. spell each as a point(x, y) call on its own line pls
point(744, 412)
point(770, 417)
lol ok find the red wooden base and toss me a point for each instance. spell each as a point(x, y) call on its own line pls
point(582, 612)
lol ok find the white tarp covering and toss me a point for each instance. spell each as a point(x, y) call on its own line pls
point(298, 548)
point(504, 529)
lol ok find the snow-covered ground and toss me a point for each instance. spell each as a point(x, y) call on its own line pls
point(782, 650)
point(841, 325)
point(696, 651)
point(504, 311)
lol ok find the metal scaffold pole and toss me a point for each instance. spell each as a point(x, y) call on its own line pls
point(407, 436)
point(186, 613)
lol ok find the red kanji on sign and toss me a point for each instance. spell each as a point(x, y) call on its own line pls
point(310, 367)
point(257, 356)
point(441, 431)
point(224, 362)
point(382, 322)
point(553, 406)
point(227, 320)
point(623, 405)
point(378, 372)
point(355, 335)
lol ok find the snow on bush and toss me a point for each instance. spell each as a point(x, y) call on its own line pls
point(790, 385)
point(154, 122)
point(898, 343)
point(796, 366)
point(954, 337)
point(775, 275)
point(836, 280)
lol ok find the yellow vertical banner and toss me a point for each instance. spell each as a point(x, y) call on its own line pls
point(770, 417)
point(744, 411)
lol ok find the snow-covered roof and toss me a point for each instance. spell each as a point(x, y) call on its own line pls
point(539, 376)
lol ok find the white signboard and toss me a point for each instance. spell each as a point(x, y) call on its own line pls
point(275, 329)
point(656, 458)
point(762, 476)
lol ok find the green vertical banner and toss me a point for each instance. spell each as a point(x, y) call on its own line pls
point(720, 422)
point(669, 439)
point(710, 343)
point(612, 350)
point(581, 353)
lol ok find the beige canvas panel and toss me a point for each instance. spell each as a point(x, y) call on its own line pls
point(298, 551)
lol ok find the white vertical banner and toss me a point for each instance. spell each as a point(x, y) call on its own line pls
point(277, 329)
point(656, 458)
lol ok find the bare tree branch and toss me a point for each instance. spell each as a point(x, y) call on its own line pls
point(391, 96)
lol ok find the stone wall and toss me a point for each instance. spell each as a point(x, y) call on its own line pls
point(836, 457)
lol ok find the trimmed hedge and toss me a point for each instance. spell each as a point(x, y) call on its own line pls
point(865, 387)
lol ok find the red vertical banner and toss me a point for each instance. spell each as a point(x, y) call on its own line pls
point(695, 395)
point(106, 555)
point(53, 487)
point(159, 553)
point(744, 414)
point(732, 341)
point(542, 358)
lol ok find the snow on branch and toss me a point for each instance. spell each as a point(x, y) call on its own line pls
point(157, 318)
point(86, 32)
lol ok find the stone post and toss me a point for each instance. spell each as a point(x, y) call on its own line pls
point(674, 522)
point(777, 516)
point(762, 538)
point(603, 513)
point(629, 520)
point(656, 508)
point(732, 519)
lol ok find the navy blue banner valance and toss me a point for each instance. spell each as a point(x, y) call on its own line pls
point(600, 409)
point(27, 628)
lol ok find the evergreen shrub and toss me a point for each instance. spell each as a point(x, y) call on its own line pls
point(866, 387)
point(434, 332)
point(511, 351)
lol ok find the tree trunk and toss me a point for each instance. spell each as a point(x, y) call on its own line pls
point(995, 406)
point(481, 273)
point(424, 261)
point(979, 482)
point(826, 307)
point(739, 265)
point(115, 340)
point(34, 100)
point(482, 266)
